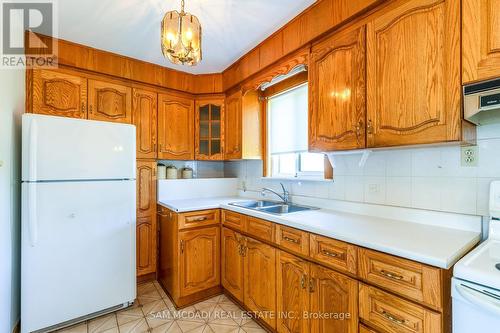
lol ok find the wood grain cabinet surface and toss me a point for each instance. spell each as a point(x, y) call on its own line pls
point(337, 90)
point(109, 101)
point(480, 40)
point(144, 117)
point(146, 235)
point(175, 127)
point(199, 260)
point(392, 314)
point(232, 263)
point(333, 253)
point(260, 279)
point(233, 126)
point(58, 93)
point(292, 289)
point(413, 73)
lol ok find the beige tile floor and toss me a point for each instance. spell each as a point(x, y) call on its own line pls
point(154, 312)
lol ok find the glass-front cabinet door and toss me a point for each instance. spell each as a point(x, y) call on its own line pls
point(209, 129)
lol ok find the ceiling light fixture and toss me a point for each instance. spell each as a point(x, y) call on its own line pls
point(181, 37)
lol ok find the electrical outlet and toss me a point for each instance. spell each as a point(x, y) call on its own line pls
point(470, 156)
point(373, 188)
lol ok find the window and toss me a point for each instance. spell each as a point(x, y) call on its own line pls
point(287, 122)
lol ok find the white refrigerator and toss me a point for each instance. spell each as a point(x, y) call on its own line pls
point(78, 220)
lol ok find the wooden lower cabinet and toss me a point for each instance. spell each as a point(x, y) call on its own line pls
point(292, 293)
point(335, 296)
point(199, 260)
point(189, 263)
point(232, 263)
point(146, 245)
point(260, 280)
point(312, 298)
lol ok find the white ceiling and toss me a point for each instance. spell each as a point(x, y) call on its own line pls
point(132, 27)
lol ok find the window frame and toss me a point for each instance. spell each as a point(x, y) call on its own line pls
point(279, 88)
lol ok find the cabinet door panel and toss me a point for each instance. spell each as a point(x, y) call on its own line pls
point(260, 279)
point(199, 260)
point(292, 293)
point(334, 294)
point(209, 129)
point(413, 70)
point(146, 245)
point(144, 118)
point(232, 263)
point(58, 93)
point(110, 102)
point(337, 92)
point(146, 188)
point(481, 40)
point(233, 131)
point(175, 127)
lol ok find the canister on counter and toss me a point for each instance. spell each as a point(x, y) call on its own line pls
point(171, 172)
point(162, 171)
point(187, 173)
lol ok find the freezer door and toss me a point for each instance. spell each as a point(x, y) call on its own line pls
point(78, 250)
point(58, 148)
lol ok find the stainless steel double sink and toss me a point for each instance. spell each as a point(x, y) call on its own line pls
point(271, 207)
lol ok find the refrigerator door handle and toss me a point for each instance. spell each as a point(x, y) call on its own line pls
point(479, 298)
point(32, 216)
point(33, 147)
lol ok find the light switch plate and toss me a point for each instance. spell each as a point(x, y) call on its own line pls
point(469, 156)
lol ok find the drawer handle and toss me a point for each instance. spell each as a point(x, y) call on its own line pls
point(311, 285)
point(182, 246)
point(390, 275)
point(393, 318)
point(199, 219)
point(303, 282)
point(291, 240)
point(331, 254)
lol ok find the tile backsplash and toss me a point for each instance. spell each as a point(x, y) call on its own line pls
point(427, 178)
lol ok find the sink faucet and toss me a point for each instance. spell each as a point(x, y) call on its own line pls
point(285, 197)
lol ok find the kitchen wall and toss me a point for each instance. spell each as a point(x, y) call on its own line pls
point(201, 169)
point(11, 108)
point(428, 178)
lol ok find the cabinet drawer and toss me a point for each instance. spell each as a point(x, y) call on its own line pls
point(405, 277)
point(394, 315)
point(233, 220)
point(259, 228)
point(292, 239)
point(333, 253)
point(198, 219)
point(365, 329)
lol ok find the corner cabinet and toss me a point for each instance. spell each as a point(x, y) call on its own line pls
point(337, 89)
point(175, 127)
point(413, 73)
point(146, 217)
point(144, 117)
point(209, 129)
point(480, 40)
point(109, 101)
point(57, 93)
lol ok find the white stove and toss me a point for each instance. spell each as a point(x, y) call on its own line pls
point(476, 279)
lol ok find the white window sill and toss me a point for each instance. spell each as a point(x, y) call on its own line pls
point(299, 179)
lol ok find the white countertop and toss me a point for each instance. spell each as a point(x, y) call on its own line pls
point(428, 244)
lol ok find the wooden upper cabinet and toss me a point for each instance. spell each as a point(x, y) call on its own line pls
point(144, 117)
point(337, 89)
point(209, 129)
point(146, 188)
point(292, 293)
point(335, 293)
point(59, 93)
point(413, 73)
point(232, 263)
point(110, 102)
point(480, 40)
point(233, 128)
point(260, 278)
point(175, 127)
point(199, 260)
